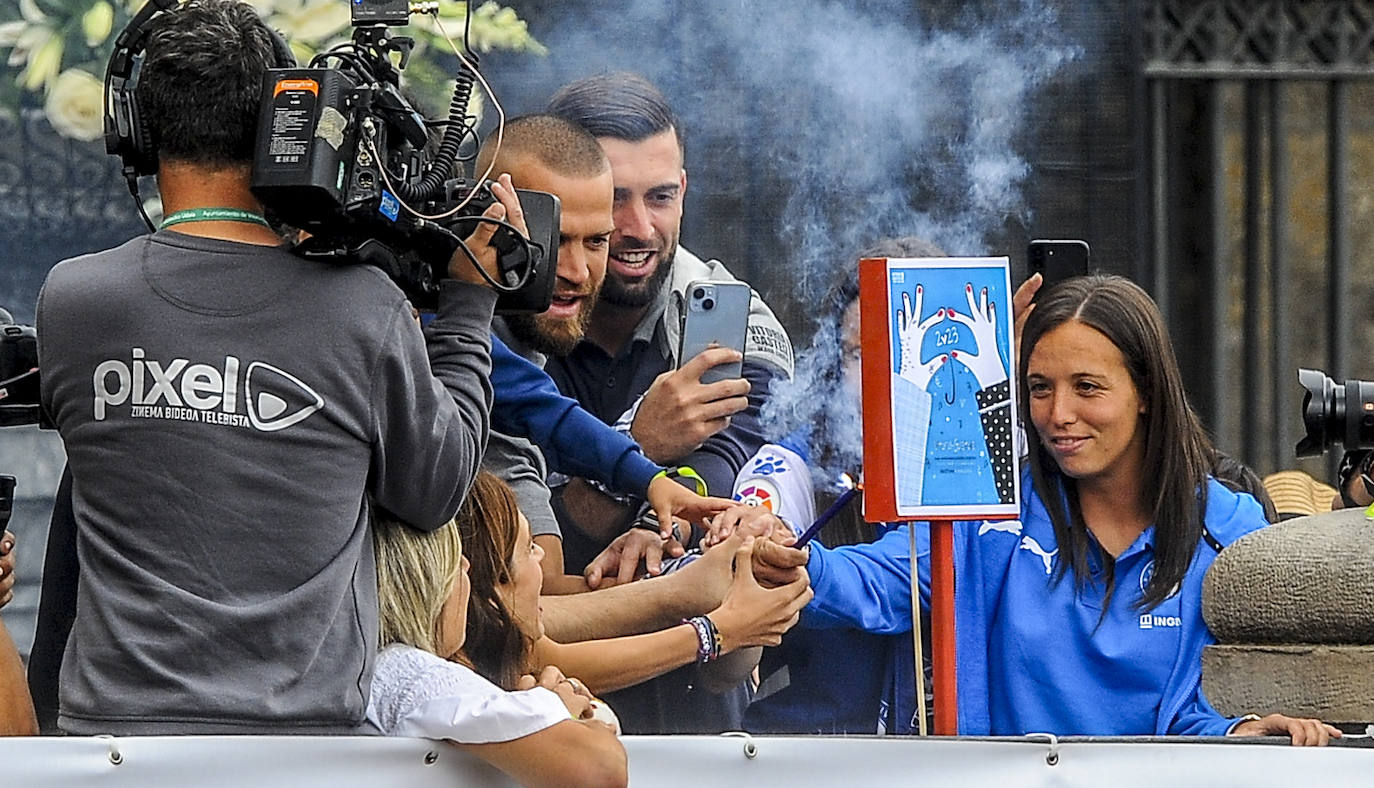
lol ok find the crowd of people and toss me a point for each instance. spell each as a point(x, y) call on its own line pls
point(439, 530)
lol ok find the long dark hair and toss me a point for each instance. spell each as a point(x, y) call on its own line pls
point(1178, 452)
point(489, 522)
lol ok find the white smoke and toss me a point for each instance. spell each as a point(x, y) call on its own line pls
point(877, 121)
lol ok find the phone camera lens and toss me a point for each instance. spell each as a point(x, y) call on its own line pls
point(699, 293)
point(708, 304)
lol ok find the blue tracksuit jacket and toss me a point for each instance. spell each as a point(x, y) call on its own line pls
point(1036, 655)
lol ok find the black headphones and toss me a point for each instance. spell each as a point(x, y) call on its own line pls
point(125, 134)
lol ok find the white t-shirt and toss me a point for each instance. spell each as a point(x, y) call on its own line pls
point(416, 693)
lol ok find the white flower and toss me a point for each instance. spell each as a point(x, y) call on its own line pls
point(74, 105)
point(44, 61)
point(31, 12)
point(10, 32)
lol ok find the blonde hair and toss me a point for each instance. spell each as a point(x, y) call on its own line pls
point(416, 571)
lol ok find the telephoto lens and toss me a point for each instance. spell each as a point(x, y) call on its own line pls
point(1334, 413)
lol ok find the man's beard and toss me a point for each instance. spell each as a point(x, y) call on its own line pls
point(548, 336)
point(643, 292)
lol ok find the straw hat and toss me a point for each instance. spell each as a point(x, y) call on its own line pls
point(1295, 494)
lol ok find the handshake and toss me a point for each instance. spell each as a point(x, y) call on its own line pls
point(641, 551)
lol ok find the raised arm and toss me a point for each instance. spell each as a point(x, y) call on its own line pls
point(573, 441)
point(750, 615)
point(431, 398)
point(642, 606)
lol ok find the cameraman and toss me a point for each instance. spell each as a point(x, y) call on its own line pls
point(231, 412)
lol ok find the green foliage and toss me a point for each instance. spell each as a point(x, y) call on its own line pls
point(58, 49)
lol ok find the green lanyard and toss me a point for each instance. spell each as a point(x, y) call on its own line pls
point(214, 215)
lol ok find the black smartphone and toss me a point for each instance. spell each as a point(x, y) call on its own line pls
point(1056, 261)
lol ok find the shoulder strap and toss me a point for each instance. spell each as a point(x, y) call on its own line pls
point(1209, 539)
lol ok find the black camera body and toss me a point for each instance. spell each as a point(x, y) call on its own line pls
point(18, 374)
point(379, 12)
point(1335, 413)
point(342, 155)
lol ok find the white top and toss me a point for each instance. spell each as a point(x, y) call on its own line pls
point(777, 479)
point(416, 693)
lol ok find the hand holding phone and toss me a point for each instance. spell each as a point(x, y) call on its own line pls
point(686, 406)
point(1056, 260)
point(716, 314)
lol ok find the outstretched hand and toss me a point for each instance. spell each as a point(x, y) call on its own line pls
point(670, 499)
point(620, 562)
point(750, 521)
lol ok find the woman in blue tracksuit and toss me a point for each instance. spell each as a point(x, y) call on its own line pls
point(1085, 616)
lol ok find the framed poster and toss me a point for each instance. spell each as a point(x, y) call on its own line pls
point(939, 400)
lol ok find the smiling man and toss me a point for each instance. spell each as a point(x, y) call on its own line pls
point(627, 369)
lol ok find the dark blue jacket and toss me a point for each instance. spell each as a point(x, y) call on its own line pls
point(574, 442)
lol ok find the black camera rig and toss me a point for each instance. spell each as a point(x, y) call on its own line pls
point(1335, 413)
point(18, 374)
point(343, 155)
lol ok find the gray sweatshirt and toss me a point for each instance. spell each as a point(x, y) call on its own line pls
point(227, 411)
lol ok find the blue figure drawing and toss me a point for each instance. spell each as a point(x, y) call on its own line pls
point(958, 357)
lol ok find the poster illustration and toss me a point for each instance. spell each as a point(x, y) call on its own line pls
point(945, 383)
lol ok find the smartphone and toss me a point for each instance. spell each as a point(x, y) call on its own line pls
point(716, 313)
point(1056, 261)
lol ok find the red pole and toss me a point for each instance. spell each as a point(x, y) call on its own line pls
point(942, 626)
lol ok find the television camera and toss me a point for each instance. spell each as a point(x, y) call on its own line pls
point(343, 155)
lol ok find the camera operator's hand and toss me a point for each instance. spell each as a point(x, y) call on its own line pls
point(507, 208)
point(679, 412)
point(6, 568)
point(1352, 489)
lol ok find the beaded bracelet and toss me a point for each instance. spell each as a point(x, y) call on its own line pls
point(708, 638)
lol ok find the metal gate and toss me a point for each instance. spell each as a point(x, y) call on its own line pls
point(1251, 243)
